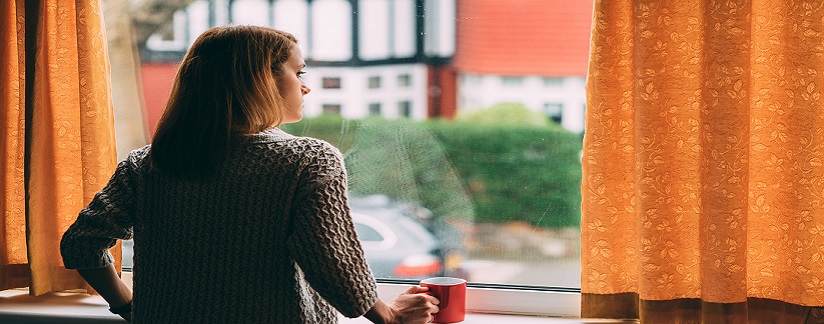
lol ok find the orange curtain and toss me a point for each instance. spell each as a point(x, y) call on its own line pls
point(57, 133)
point(703, 189)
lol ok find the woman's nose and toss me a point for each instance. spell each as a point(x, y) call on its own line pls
point(305, 90)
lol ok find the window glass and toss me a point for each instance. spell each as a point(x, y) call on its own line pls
point(554, 111)
point(473, 169)
point(405, 108)
point(374, 82)
point(553, 81)
point(330, 83)
point(375, 109)
point(333, 109)
point(512, 81)
point(404, 80)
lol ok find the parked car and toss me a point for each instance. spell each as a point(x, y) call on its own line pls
point(398, 239)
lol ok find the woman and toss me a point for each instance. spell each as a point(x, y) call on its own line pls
point(234, 221)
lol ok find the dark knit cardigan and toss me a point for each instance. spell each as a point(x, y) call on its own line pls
point(269, 239)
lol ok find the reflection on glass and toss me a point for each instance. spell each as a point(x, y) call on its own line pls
point(461, 124)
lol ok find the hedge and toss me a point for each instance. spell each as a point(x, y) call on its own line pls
point(487, 173)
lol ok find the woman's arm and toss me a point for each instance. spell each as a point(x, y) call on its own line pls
point(85, 244)
point(106, 282)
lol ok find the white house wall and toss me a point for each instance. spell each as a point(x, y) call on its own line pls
point(478, 91)
point(354, 96)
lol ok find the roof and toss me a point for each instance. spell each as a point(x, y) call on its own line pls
point(523, 37)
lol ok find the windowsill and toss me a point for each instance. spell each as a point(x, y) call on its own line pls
point(16, 306)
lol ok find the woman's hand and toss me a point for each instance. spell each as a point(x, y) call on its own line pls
point(414, 306)
point(410, 307)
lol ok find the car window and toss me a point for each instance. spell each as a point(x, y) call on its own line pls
point(367, 234)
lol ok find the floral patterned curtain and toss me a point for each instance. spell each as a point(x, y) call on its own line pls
point(57, 133)
point(703, 189)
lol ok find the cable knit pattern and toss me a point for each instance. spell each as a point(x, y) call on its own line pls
point(268, 240)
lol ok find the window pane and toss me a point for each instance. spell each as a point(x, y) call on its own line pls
point(375, 109)
point(512, 81)
point(331, 109)
point(405, 108)
point(330, 83)
point(404, 80)
point(465, 161)
point(374, 82)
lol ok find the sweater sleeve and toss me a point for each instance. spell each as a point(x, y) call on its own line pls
point(323, 240)
point(107, 218)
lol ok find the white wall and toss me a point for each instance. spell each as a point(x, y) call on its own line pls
point(478, 91)
point(354, 96)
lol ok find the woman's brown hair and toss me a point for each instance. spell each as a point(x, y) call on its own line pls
point(224, 87)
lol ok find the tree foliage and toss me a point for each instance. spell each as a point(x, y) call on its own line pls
point(487, 173)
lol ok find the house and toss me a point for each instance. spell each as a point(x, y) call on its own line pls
point(529, 52)
point(376, 57)
point(416, 59)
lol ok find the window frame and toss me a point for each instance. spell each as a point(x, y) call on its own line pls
point(485, 298)
point(483, 305)
point(505, 299)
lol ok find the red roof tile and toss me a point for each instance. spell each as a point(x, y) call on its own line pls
point(523, 37)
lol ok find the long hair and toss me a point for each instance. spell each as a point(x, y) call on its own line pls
point(224, 87)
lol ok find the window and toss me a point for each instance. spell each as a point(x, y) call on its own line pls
point(554, 111)
point(512, 81)
point(331, 83)
point(375, 109)
point(404, 80)
point(332, 109)
point(553, 82)
point(496, 226)
point(405, 108)
point(374, 82)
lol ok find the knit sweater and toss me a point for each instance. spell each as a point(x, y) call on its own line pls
point(269, 239)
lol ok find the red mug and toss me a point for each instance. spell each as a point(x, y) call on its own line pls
point(451, 292)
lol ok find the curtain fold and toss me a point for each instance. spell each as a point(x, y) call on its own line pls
point(59, 144)
point(12, 117)
point(703, 170)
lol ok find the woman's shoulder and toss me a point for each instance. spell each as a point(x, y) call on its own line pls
point(140, 154)
point(293, 143)
point(316, 145)
point(138, 157)
point(279, 137)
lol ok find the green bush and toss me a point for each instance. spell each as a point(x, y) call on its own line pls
point(486, 172)
point(505, 114)
point(512, 172)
